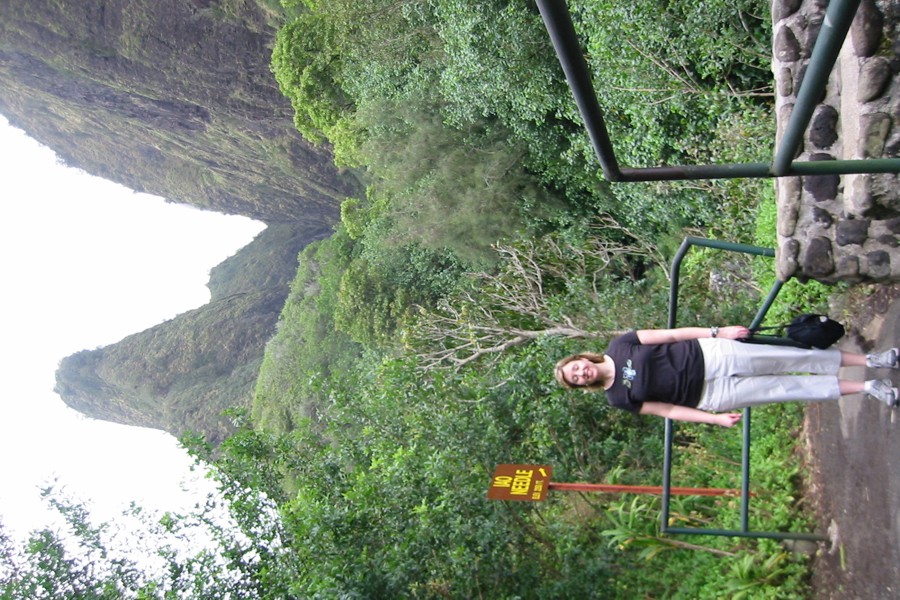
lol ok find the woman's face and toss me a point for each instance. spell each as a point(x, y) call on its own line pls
point(581, 372)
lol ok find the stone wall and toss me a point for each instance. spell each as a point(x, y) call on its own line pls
point(840, 228)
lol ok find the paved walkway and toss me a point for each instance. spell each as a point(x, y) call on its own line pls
point(854, 451)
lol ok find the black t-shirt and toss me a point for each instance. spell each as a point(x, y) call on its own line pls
point(671, 373)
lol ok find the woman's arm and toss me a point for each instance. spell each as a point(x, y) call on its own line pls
point(686, 413)
point(666, 336)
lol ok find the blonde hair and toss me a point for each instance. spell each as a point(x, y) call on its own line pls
point(561, 380)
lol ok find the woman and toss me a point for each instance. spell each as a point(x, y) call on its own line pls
point(684, 373)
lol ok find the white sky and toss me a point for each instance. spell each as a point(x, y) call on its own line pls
point(84, 263)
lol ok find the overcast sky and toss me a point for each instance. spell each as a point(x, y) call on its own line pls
point(84, 263)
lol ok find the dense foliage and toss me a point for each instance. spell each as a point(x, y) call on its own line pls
point(413, 77)
point(415, 349)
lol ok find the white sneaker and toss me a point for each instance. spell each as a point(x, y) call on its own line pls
point(883, 391)
point(886, 359)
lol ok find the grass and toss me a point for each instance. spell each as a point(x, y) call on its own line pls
point(705, 566)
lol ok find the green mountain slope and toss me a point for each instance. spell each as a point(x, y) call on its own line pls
point(180, 375)
point(175, 98)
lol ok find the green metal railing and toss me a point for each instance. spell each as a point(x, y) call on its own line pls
point(744, 530)
point(838, 17)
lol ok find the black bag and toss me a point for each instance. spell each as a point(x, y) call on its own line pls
point(810, 330)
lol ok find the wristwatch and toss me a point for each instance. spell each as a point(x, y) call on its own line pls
point(713, 331)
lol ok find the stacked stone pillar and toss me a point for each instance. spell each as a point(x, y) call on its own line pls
point(840, 228)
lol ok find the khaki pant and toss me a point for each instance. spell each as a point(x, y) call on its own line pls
point(738, 375)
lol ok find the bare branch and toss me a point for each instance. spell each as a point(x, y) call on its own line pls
point(490, 318)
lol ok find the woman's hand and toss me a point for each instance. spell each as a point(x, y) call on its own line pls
point(733, 332)
point(727, 419)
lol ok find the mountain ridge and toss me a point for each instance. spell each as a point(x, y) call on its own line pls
point(182, 374)
point(175, 98)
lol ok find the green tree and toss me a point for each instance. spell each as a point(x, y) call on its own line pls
point(307, 66)
point(369, 306)
point(71, 564)
point(447, 188)
point(232, 546)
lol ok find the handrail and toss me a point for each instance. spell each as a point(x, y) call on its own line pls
point(838, 17)
point(744, 530)
point(558, 21)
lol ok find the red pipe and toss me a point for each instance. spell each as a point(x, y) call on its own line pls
point(642, 489)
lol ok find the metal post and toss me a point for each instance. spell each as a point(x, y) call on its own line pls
point(759, 170)
point(559, 25)
point(667, 476)
point(839, 15)
point(716, 244)
point(745, 473)
point(767, 304)
point(775, 535)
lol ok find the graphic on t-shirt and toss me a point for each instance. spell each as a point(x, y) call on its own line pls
point(628, 374)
